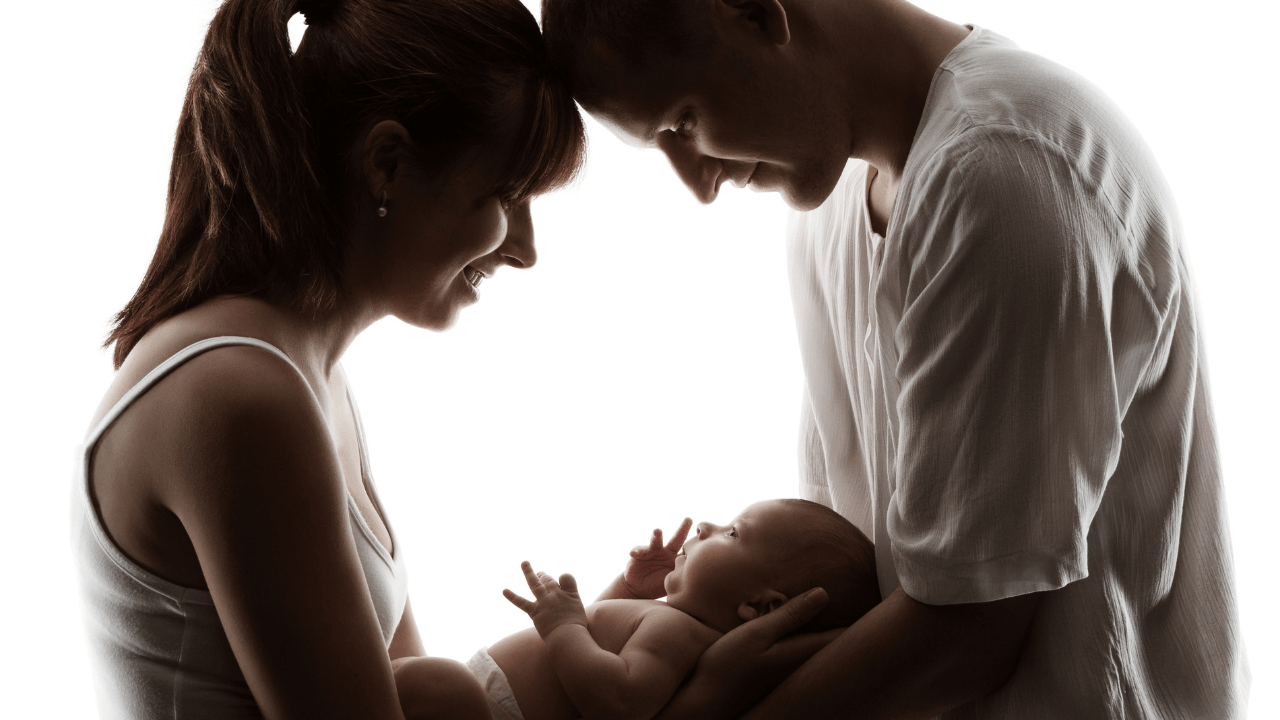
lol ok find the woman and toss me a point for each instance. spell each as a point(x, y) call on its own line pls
point(234, 557)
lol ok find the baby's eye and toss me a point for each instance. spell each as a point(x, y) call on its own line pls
point(732, 532)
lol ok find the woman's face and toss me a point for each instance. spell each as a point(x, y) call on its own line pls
point(440, 239)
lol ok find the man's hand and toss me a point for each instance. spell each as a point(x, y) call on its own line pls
point(650, 565)
point(751, 660)
point(554, 604)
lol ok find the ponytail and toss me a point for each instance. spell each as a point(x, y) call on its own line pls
point(244, 183)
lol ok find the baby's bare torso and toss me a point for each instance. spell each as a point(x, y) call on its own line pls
point(524, 660)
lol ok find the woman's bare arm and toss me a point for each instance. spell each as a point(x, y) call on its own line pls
point(259, 492)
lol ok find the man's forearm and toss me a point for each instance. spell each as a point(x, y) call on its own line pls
point(906, 659)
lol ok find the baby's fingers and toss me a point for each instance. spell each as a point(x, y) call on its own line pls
point(519, 602)
point(682, 532)
point(534, 579)
point(655, 541)
point(568, 583)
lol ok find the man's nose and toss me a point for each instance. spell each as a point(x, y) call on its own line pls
point(700, 172)
point(517, 248)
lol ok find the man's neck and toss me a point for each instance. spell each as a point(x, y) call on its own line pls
point(887, 52)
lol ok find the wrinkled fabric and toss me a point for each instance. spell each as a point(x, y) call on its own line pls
point(497, 691)
point(1007, 392)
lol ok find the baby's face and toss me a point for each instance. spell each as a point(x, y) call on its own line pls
point(724, 566)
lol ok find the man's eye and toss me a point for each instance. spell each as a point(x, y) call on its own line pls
point(684, 125)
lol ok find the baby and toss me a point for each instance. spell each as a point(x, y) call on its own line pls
point(625, 655)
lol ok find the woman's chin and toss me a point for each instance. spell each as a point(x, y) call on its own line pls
point(435, 319)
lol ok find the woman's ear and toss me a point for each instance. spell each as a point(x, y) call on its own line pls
point(383, 156)
point(768, 601)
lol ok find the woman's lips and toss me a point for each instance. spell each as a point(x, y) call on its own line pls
point(473, 276)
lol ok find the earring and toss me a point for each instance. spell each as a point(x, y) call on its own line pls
point(382, 209)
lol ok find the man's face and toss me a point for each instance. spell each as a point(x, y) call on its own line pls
point(740, 118)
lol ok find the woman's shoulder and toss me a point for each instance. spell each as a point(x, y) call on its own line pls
point(209, 393)
point(198, 435)
point(246, 367)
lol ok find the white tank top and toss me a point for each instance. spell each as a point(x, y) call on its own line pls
point(158, 649)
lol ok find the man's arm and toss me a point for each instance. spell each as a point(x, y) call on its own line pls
point(904, 659)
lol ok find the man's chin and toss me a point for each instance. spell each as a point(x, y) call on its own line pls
point(803, 201)
point(805, 194)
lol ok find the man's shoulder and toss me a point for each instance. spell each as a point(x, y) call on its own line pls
point(993, 103)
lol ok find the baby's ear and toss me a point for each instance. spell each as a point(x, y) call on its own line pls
point(768, 601)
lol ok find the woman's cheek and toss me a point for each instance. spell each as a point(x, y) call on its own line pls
point(482, 232)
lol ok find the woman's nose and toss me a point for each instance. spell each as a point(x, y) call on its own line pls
point(517, 248)
point(699, 172)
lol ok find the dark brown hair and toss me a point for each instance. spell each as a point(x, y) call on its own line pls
point(264, 135)
point(830, 552)
point(637, 34)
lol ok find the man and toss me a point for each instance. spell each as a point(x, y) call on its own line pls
point(1004, 386)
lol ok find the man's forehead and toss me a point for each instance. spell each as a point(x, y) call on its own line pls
point(634, 105)
point(632, 126)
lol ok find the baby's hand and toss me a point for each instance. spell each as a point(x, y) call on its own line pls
point(649, 566)
point(554, 604)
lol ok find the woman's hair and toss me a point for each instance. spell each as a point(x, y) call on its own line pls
point(264, 137)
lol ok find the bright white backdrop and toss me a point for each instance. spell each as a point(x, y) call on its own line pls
point(645, 370)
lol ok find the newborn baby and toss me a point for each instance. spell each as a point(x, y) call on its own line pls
point(624, 656)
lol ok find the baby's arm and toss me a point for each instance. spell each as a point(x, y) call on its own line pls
point(632, 685)
point(648, 568)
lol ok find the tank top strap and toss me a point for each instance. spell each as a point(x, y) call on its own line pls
point(171, 364)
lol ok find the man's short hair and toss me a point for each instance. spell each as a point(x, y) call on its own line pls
point(634, 34)
point(831, 553)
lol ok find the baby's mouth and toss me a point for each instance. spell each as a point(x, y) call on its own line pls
point(473, 276)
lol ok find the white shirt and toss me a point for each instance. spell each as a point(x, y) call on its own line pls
point(1007, 392)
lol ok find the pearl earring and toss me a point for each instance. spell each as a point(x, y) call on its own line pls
point(382, 209)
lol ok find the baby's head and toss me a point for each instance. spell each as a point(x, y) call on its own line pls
point(775, 550)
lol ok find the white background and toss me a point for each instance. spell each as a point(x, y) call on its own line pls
point(645, 370)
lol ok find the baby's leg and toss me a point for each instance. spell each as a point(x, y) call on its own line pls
point(439, 689)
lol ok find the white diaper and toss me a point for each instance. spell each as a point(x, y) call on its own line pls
point(502, 703)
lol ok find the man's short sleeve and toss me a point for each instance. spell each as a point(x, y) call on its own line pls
point(1008, 411)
